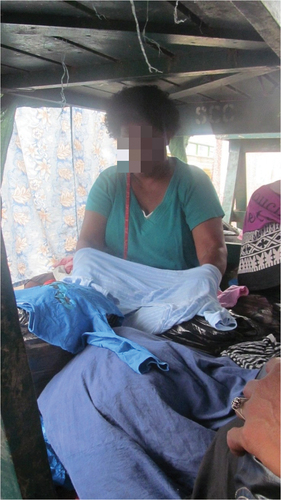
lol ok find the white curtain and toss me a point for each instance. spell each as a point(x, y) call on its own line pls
point(53, 159)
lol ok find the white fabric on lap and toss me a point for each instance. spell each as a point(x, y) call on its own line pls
point(153, 300)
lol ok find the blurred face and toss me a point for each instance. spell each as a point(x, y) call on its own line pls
point(140, 148)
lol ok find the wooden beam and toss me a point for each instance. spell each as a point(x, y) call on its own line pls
point(230, 182)
point(19, 408)
point(257, 116)
point(261, 145)
point(30, 54)
point(262, 20)
point(240, 190)
point(236, 119)
point(204, 41)
point(9, 483)
point(52, 98)
point(274, 7)
point(196, 63)
point(214, 83)
point(172, 33)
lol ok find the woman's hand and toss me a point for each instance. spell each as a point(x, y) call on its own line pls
point(260, 434)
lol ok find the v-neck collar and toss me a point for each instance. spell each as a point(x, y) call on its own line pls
point(159, 211)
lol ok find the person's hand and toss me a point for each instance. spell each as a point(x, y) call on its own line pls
point(260, 434)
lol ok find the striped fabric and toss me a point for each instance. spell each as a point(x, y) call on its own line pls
point(253, 355)
point(153, 300)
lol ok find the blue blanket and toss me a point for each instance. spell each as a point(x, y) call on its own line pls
point(124, 435)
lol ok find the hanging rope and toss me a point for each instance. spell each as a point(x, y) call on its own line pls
point(100, 16)
point(151, 68)
point(176, 20)
point(65, 73)
point(127, 216)
point(146, 38)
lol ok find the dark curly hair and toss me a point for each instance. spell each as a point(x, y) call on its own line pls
point(144, 102)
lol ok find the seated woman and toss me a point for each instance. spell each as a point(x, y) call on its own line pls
point(153, 211)
point(120, 434)
point(259, 265)
point(163, 213)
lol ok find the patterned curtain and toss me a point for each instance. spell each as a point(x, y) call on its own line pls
point(53, 159)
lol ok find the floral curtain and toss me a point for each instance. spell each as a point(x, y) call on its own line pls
point(53, 159)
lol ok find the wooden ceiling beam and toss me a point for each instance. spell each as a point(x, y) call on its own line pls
point(52, 98)
point(217, 82)
point(194, 64)
point(197, 34)
point(172, 35)
point(258, 14)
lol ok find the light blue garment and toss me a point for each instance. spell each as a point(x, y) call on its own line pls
point(153, 300)
point(71, 316)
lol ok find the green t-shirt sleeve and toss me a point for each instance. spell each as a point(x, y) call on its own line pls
point(101, 195)
point(199, 198)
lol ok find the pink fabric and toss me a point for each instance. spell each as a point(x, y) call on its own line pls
point(229, 297)
point(67, 263)
point(263, 208)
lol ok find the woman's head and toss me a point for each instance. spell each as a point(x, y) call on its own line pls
point(145, 103)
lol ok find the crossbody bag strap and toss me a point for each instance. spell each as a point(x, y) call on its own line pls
point(127, 215)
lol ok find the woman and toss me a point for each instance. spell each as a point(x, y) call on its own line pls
point(259, 264)
point(174, 218)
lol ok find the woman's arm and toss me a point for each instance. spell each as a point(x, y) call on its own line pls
point(93, 231)
point(209, 243)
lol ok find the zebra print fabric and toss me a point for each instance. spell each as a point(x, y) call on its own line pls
point(253, 355)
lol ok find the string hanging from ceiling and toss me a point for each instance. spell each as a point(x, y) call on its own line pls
point(65, 73)
point(100, 16)
point(145, 37)
point(176, 20)
point(151, 68)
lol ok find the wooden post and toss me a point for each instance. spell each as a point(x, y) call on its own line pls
point(19, 408)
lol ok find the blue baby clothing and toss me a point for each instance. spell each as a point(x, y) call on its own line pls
point(71, 316)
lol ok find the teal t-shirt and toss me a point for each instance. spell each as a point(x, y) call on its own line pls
point(164, 239)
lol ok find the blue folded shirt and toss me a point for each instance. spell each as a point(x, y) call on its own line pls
point(71, 316)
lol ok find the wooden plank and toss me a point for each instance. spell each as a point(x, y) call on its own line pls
point(9, 483)
point(254, 116)
point(196, 63)
point(122, 10)
point(261, 145)
point(231, 176)
point(274, 7)
point(50, 43)
point(220, 13)
point(52, 98)
point(123, 25)
point(261, 19)
point(18, 403)
point(206, 41)
point(214, 83)
point(164, 33)
point(240, 190)
point(227, 118)
point(29, 54)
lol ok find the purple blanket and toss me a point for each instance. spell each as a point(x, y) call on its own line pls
point(123, 435)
